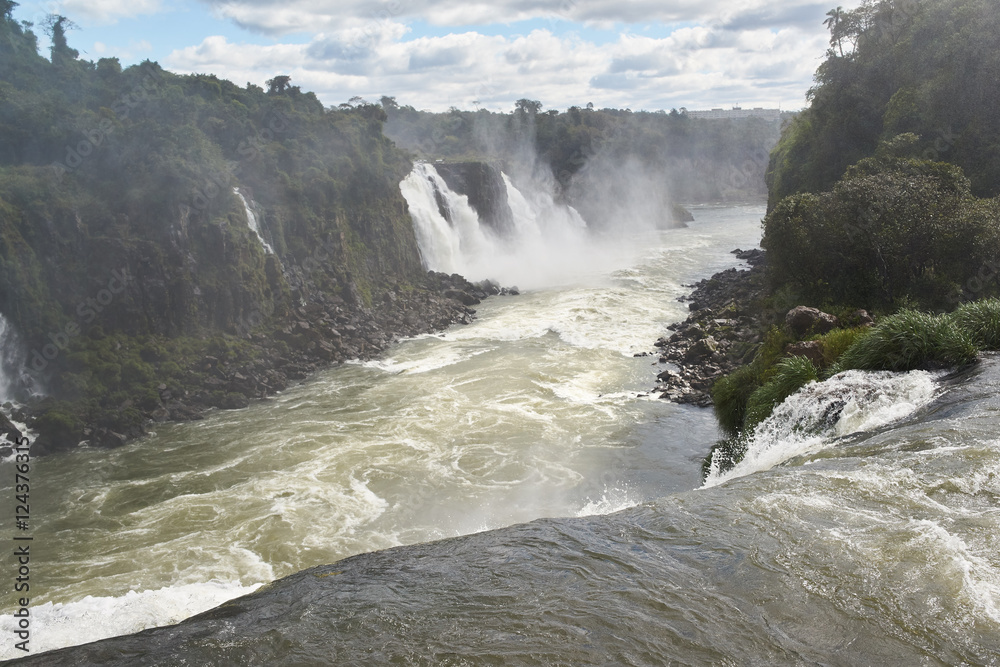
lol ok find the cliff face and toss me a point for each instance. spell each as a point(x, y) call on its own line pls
point(483, 184)
point(132, 270)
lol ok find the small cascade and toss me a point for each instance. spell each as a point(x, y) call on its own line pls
point(11, 361)
point(820, 412)
point(252, 222)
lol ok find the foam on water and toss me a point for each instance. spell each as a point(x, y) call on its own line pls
point(54, 625)
point(612, 500)
point(550, 244)
point(514, 417)
point(819, 413)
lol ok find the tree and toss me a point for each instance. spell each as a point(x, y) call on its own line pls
point(526, 106)
point(278, 85)
point(833, 23)
point(56, 26)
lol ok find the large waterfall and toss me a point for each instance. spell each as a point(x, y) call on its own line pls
point(550, 243)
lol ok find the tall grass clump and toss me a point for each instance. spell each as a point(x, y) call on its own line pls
point(730, 395)
point(981, 321)
point(909, 340)
point(789, 375)
point(838, 341)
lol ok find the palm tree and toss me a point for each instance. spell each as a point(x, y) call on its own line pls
point(834, 22)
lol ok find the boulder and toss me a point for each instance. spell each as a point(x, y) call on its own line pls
point(862, 318)
point(804, 320)
point(705, 347)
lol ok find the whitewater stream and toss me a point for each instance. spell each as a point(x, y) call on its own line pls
point(872, 539)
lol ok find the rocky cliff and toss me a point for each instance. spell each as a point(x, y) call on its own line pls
point(177, 243)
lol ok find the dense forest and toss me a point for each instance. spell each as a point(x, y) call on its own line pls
point(128, 264)
point(882, 198)
point(879, 190)
point(924, 67)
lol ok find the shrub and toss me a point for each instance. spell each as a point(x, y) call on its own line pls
point(909, 340)
point(730, 395)
point(838, 341)
point(788, 377)
point(981, 321)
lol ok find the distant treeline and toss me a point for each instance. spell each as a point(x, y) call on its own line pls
point(695, 160)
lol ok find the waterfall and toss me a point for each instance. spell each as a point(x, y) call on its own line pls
point(11, 360)
point(550, 243)
point(819, 413)
point(253, 224)
point(449, 244)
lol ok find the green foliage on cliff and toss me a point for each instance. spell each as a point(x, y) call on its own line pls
point(126, 257)
point(104, 169)
point(892, 232)
point(908, 340)
point(926, 67)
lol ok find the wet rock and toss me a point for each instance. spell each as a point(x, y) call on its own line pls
point(464, 298)
point(108, 439)
point(803, 320)
point(702, 349)
point(715, 337)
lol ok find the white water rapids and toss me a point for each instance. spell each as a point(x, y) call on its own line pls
point(877, 548)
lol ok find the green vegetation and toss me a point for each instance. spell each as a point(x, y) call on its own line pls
point(904, 341)
point(909, 340)
point(125, 255)
point(981, 321)
point(925, 67)
point(732, 394)
point(879, 197)
point(892, 232)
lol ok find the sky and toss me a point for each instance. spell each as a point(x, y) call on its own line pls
point(437, 54)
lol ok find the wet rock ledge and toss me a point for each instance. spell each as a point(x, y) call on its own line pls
point(320, 333)
point(719, 335)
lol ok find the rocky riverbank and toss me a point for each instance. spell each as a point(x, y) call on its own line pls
point(722, 330)
point(323, 332)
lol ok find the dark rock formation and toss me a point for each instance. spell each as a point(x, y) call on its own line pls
point(803, 320)
point(483, 184)
point(718, 337)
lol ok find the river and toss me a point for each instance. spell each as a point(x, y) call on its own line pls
point(536, 409)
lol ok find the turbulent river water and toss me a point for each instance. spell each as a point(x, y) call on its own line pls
point(863, 533)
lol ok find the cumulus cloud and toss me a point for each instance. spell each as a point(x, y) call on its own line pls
point(693, 67)
point(270, 17)
point(714, 52)
point(108, 11)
